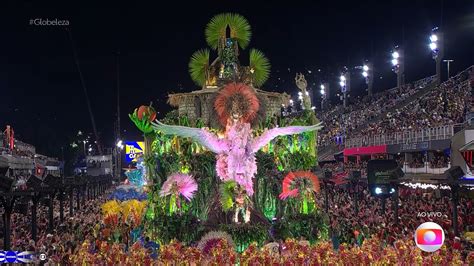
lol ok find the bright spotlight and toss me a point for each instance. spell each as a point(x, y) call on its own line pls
point(392, 190)
point(307, 93)
point(433, 38)
point(90, 149)
point(433, 46)
point(313, 107)
point(365, 68)
point(341, 83)
point(378, 190)
point(291, 101)
point(322, 87)
point(365, 74)
point(395, 55)
point(343, 78)
point(394, 61)
point(300, 93)
point(322, 91)
point(300, 97)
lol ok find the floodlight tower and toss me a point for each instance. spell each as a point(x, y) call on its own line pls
point(368, 74)
point(324, 93)
point(345, 83)
point(437, 50)
point(398, 65)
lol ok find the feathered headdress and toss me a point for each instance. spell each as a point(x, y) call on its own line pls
point(289, 190)
point(181, 184)
point(240, 96)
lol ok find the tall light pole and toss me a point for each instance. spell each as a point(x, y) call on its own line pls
point(398, 65)
point(436, 47)
point(448, 61)
point(324, 93)
point(84, 141)
point(118, 153)
point(345, 83)
point(118, 157)
point(367, 73)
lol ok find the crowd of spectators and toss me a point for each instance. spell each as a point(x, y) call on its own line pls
point(345, 169)
point(339, 121)
point(65, 238)
point(446, 104)
point(347, 226)
point(439, 161)
point(417, 160)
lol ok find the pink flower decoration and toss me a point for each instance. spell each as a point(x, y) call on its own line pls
point(181, 184)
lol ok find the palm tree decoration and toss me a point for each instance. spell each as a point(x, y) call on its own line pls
point(198, 66)
point(216, 30)
point(225, 33)
point(259, 67)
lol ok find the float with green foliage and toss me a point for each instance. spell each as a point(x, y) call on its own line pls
point(235, 165)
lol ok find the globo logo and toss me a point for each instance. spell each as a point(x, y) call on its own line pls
point(429, 237)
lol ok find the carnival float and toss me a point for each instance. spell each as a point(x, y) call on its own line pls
point(226, 164)
point(229, 179)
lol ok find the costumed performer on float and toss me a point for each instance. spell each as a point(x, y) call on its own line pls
point(236, 106)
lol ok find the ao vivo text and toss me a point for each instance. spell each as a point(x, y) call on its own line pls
point(430, 214)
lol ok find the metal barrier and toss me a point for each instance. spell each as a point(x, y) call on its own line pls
point(425, 169)
point(421, 83)
point(405, 137)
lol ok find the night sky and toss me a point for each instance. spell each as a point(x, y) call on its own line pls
point(42, 97)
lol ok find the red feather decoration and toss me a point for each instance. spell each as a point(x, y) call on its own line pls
point(288, 191)
point(243, 95)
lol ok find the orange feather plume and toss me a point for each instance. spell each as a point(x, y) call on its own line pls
point(240, 94)
point(289, 191)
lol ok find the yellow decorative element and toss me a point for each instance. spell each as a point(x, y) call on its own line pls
point(111, 207)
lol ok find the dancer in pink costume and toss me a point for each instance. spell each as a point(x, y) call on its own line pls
point(236, 105)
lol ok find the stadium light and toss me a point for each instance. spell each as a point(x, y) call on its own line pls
point(324, 93)
point(378, 191)
point(367, 73)
point(398, 64)
point(436, 47)
point(120, 144)
point(344, 82)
